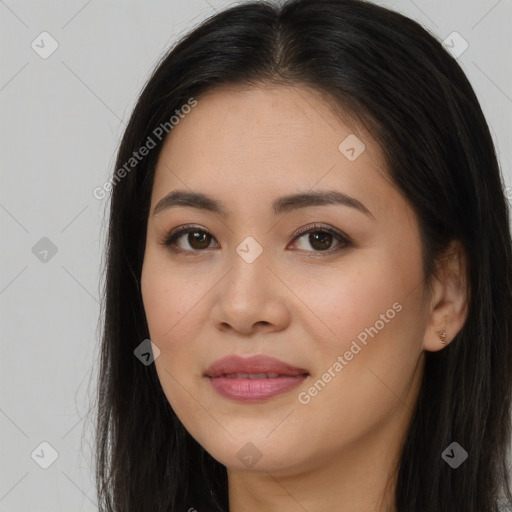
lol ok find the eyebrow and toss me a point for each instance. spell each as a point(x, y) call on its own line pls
point(280, 206)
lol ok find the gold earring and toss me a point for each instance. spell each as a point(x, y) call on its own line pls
point(442, 337)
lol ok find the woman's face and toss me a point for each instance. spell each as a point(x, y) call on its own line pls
point(346, 316)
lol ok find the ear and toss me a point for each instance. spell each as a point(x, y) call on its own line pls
point(449, 300)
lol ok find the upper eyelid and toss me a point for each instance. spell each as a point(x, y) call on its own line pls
point(181, 230)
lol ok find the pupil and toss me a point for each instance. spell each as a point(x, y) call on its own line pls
point(322, 236)
point(196, 237)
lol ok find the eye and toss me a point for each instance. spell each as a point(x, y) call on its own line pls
point(197, 238)
point(320, 238)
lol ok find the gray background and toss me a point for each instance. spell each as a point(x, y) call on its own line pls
point(62, 119)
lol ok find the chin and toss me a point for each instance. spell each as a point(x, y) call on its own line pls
point(257, 456)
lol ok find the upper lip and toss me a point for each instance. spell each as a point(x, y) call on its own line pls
point(253, 364)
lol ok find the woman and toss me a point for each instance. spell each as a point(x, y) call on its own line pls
point(309, 287)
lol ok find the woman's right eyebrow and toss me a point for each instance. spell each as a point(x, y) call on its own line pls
point(280, 206)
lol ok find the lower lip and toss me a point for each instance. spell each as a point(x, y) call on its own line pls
point(254, 390)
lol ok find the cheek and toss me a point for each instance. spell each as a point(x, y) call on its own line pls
point(171, 319)
point(172, 304)
point(168, 299)
point(361, 381)
point(172, 322)
point(352, 300)
point(375, 320)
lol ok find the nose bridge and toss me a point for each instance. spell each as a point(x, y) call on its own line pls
point(250, 295)
point(249, 272)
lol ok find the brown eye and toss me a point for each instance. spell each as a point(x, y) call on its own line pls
point(201, 238)
point(321, 239)
point(197, 239)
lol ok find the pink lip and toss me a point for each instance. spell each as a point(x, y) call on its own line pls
point(258, 389)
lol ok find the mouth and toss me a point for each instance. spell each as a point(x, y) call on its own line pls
point(253, 379)
point(250, 375)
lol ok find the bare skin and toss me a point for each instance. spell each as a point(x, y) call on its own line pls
point(336, 448)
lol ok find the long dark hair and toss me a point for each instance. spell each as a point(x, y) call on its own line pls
point(411, 94)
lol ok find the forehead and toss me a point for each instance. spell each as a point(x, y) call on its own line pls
point(276, 133)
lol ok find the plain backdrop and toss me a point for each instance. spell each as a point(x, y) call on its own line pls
point(62, 119)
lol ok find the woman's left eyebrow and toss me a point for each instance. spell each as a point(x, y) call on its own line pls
point(280, 206)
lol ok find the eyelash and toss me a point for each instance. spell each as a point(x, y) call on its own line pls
point(344, 241)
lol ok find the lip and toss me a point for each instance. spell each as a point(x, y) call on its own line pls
point(246, 389)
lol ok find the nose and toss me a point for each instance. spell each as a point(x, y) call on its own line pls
point(250, 299)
